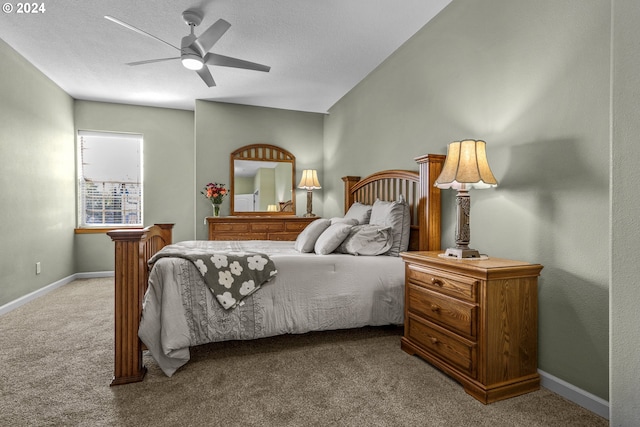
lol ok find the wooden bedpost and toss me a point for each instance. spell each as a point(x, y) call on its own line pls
point(133, 248)
point(349, 182)
point(429, 204)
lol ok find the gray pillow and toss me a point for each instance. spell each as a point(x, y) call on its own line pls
point(397, 216)
point(359, 211)
point(331, 238)
point(306, 240)
point(350, 221)
point(367, 239)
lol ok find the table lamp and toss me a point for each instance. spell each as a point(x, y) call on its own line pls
point(465, 167)
point(309, 182)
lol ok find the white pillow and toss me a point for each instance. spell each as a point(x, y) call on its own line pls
point(306, 240)
point(359, 211)
point(331, 238)
point(367, 239)
point(397, 216)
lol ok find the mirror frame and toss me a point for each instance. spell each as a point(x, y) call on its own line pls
point(264, 153)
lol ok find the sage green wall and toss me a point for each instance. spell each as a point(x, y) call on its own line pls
point(282, 182)
point(625, 205)
point(267, 178)
point(243, 185)
point(37, 212)
point(168, 153)
point(531, 79)
point(222, 128)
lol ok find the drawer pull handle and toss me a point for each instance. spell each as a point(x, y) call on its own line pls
point(435, 308)
point(436, 282)
point(434, 340)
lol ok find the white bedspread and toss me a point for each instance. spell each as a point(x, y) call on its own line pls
point(310, 293)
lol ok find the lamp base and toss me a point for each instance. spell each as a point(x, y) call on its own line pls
point(309, 214)
point(461, 253)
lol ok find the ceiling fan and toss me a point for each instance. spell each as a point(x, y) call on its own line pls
point(194, 51)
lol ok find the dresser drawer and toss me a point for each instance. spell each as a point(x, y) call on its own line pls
point(238, 227)
point(238, 236)
point(283, 237)
point(449, 312)
point(451, 284)
point(267, 226)
point(295, 226)
point(453, 350)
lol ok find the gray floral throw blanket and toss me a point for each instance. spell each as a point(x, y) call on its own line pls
point(231, 276)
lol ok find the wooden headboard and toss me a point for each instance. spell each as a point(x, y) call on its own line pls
point(418, 190)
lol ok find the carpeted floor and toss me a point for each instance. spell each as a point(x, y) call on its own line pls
point(56, 355)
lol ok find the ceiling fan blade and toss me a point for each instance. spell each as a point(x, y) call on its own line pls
point(227, 61)
point(206, 76)
point(211, 35)
point(151, 61)
point(138, 30)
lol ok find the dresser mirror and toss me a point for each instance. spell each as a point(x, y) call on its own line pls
point(262, 181)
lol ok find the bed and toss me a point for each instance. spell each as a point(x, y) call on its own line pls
point(192, 316)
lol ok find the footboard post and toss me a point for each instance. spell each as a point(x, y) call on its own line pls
point(128, 365)
point(133, 248)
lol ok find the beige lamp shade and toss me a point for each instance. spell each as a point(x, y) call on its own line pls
point(466, 166)
point(309, 180)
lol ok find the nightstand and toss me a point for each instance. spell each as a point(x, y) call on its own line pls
point(476, 320)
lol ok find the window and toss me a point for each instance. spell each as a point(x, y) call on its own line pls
point(109, 179)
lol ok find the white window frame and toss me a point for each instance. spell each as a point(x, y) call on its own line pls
point(110, 198)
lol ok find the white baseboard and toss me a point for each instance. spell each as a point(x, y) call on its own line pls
point(94, 275)
point(42, 291)
point(578, 396)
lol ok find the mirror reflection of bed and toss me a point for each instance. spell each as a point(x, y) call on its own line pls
point(286, 206)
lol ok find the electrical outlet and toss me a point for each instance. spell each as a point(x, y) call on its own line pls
point(38, 268)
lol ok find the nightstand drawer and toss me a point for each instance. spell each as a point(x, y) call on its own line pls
point(449, 312)
point(453, 350)
point(446, 283)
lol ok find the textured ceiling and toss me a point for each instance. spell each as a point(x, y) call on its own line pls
point(318, 50)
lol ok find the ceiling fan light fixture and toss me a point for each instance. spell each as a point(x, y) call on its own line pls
point(194, 50)
point(192, 61)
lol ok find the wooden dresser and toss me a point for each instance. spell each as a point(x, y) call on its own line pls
point(476, 320)
point(282, 227)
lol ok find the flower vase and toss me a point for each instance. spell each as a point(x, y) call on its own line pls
point(216, 209)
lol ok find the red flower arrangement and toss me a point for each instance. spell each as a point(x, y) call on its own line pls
point(215, 192)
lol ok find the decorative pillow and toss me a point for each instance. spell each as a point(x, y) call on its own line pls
point(397, 216)
point(367, 239)
point(331, 238)
point(307, 238)
point(350, 221)
point(359, 211)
